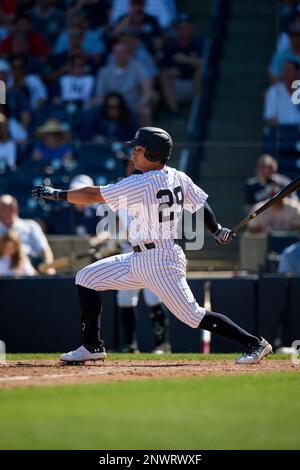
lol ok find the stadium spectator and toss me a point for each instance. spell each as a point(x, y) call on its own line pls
point(141, 23)
point(139, 52)
point(129, 79)
point(8, 10)
point(4, 70)
point(8, 148)
point(163, 10)
point(24, 39)
point(289, 14)
point(279, 107)
point(293, 18)
point(78, 85)
point(181, 65)
point(18, 99)
point(290, 259)
point(112, 122)
point(74, 219)
point(259, 187)
point(291, 53)
point(32, 84)
point(284, 215)
point(4, 24)
point(92, 43)
point(47, 19)
point(33, 239)
point(54, 146)
point(91, 9)
point(16, 131)
point(59, 64)
point(13, 260)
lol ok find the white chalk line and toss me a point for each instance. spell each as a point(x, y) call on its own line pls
point(50, 376)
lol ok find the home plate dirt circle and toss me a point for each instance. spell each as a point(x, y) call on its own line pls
point(50, 372)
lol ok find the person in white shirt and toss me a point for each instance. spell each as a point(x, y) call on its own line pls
point(13, 260)
point(33, 239)
point(77, 85)
point(130, 79)
point(279, 107)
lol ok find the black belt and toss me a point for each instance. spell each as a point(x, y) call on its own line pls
point(138, 249)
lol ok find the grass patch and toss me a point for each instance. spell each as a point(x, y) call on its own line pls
point(225, 412)
point(144, 356)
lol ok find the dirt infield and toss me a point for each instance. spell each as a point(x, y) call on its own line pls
point(49, 372)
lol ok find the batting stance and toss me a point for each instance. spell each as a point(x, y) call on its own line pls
point(155, 200)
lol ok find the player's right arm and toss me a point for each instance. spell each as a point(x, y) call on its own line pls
point(85, 195)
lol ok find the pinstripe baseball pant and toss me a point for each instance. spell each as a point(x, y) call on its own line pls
point(162, 270)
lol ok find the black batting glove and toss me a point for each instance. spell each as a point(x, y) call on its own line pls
point(223, 235)
point(45, 192)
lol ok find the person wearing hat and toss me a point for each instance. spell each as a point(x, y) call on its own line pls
point(181, 65)
point(54, 136)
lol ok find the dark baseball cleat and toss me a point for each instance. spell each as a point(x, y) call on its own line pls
point(254, 354)
point(82, 354)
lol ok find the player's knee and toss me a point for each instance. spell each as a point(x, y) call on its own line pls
point(83, 279)
point(79, 278)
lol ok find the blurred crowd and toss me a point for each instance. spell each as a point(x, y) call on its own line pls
point(81, 76)
point(90, 69)
point(85, 73)
point(280, 161)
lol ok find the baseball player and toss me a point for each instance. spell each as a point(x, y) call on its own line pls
point(155, 200)
point(127, 300)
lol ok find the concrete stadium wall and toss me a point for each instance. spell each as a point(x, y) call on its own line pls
point(42, 315)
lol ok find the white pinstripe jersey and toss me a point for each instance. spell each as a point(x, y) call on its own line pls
point(155, 201)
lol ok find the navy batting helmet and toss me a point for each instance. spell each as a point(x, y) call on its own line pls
point(158, 143)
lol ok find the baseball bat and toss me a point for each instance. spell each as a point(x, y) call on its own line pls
point(291, 187)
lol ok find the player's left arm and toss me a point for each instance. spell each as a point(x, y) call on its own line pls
point(86, 195)
point(222, 235)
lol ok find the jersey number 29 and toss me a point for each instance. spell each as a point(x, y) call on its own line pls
point(165, 214)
